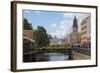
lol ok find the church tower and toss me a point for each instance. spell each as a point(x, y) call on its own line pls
point(75, 31)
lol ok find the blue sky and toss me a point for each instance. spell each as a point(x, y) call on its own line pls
point(56, 23)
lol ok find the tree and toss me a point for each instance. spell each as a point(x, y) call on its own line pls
point(49, 36)
point(42, 38)
point(27, 25)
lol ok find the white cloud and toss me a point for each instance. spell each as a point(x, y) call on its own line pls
point(69, 15)
point(56, 33)
point(53, 25)
point(37, 11)
point(62, 29)
point(79, 16)
point(26, 11)
point(65, 26)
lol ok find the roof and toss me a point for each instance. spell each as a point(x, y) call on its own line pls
point(28, 33)
point(29, 39)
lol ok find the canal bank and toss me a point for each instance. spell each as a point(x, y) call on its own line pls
point(80, 56)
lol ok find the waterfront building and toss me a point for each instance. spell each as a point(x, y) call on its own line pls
point(28, 45)
point(85, 32)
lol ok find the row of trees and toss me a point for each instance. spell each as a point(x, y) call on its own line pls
point(42, 38)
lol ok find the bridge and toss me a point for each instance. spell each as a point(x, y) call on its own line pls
point(65, 50)
point(53, 49)
point(31, 55)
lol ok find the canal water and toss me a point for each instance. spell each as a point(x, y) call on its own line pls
point(56, 56)
point(47, 56)
point(51, 56)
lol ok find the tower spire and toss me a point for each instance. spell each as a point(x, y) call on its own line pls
point(75, 22)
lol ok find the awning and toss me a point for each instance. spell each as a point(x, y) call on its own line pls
point(29, 39)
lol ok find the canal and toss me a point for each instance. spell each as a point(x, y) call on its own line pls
point(52, 56)
point(47, 56)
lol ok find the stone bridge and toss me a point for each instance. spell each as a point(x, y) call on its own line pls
point(64, 50)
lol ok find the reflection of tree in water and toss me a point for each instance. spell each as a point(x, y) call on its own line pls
point(41, 57)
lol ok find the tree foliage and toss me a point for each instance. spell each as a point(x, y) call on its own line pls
point(27, 25)
point(40, 34)
point(42, 38)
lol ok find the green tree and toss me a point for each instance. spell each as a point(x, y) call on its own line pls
point(27, 25)
point(49, 36)
point(42, 38)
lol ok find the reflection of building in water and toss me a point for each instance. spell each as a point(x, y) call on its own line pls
point(85, 32)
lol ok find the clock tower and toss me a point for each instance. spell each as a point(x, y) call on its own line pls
point(75, 31)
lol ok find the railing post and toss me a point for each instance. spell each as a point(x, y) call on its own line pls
point(70, 54)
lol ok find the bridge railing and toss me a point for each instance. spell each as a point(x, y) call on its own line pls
point(52, 48)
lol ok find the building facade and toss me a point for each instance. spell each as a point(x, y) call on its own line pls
point(85, 32)
point(73, 38)
point(68, 39)
point(28, 45)
point(54, 41)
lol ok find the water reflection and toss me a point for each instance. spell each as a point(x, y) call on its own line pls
point(47, 56)
point(51, 56)
point(56, 56)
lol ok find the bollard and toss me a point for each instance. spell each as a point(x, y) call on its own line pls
point(70, 54)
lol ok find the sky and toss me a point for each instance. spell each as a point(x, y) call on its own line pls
point(56, 23)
